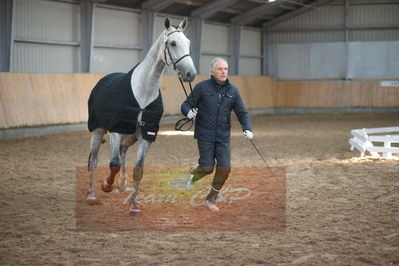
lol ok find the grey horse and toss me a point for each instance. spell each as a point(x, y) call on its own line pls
point(129, 125)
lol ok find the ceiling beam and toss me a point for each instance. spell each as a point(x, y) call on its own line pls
point(208, 10)
point(253, 14)
point(288, 7)
point(296, 12)
point(194, 4)
point(157, 5)
point(198, 4)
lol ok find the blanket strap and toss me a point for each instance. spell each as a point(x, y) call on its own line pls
point(143, 110)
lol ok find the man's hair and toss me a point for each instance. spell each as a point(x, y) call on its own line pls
point(214, 60)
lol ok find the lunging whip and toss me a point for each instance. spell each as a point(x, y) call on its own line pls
point(256, 148)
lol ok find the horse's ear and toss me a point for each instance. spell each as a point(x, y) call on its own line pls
point(183, 24)
point(167, 23)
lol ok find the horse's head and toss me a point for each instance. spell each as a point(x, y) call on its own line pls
point(177, 51)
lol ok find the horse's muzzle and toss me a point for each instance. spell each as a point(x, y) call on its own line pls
point(188, 76)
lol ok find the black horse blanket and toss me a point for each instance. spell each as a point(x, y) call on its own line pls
point(113, 106)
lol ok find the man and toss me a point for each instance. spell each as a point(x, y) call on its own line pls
point(210, 104)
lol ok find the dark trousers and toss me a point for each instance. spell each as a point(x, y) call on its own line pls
point(212, 153)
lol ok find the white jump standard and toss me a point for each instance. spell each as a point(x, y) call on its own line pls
point(364, 140)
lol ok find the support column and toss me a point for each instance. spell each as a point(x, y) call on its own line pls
point(148, 31)
point(196, 42)
point(86, 34)
point(234, 36)
point(6, 39)
point(346, 38)
point(266, 54)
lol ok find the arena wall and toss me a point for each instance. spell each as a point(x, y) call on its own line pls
point(336, 94)
point(34, 99)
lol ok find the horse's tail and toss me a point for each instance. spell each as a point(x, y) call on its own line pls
point(92, 122)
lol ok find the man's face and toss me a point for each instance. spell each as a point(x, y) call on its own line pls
point(219, 71)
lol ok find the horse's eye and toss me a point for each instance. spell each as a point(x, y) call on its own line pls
point(173, 43)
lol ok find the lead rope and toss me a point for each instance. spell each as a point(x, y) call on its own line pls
point(184, 121)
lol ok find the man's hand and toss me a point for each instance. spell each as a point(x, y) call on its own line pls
point(248, 134)
point(192, 113)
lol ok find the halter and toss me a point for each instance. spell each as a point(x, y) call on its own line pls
point(170, 56)
point(182, 122)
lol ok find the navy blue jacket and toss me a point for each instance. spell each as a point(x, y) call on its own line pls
point(214, 103)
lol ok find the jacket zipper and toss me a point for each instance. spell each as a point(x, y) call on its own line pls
point(220, 101)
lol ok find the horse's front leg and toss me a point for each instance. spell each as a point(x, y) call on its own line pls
point(126, 142)
point(144, 145)
point(114, 165)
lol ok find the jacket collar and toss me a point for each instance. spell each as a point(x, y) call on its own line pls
point(225, 84)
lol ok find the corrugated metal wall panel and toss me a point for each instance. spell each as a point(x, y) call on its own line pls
point(374, 35)
point(332, 16)
point(309, 60)
point(107, 60)
point(40, 58)
point(300, 49)
point(215, 39)
point(322, 17)
point(250, 43)
point(373, 60)
point(116, 27)
point(215, 44)
point(305, 37)
point(46, 20)
point(250, 67)
point(374, 15)
point(333, 60)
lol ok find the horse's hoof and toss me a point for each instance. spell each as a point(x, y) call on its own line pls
point(91, 197)
point(135, 212)
point(122, 189)
point(122, 186)
point(106, 187)
point(92, 201)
